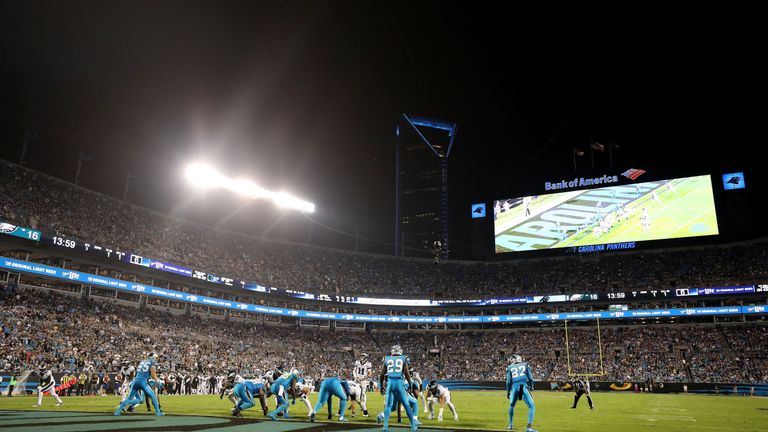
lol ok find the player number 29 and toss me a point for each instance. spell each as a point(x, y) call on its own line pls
point(394, 365)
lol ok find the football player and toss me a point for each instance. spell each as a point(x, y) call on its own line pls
point(519, 386)
point(357, 395)
point(332, 386)
point(362, 371)
point(280, 390)
point(301, 391)
point(416, 386)
point(228, 388)
point(47, 384)
point(246, 390)
point(395, 369)
point(441, 395)
point(581, 387)
point(146, 370)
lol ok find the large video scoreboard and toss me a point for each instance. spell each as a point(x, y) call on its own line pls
point(610, 215)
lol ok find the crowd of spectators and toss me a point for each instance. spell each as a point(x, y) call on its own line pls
point(53, 206)
point(79, 336)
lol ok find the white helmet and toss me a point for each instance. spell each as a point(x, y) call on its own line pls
point(295, 371)
point(515, 359)
point(238, 379)
point(397, 350)
point(152, 355)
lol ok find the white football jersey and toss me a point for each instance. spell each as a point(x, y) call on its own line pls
point(47, 380)
point(301, 386)
point(442, 391)
point(415, 378)
point(362, 370)
point(269, 377)
point(354, 388)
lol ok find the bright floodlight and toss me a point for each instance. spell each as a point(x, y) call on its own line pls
point(206, 177)
point(203, 176)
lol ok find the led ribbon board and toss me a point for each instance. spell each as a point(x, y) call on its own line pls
point(131, 287)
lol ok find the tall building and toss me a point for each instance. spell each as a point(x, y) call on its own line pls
point(422, 149)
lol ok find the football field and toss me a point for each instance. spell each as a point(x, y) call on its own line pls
point(478, 410)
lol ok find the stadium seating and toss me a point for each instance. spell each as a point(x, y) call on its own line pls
point(74, 334)
point(38, 201)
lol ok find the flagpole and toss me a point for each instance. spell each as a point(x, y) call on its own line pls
point(128, 176)
point(79, 167)
point(610, 153)
point(573, 154)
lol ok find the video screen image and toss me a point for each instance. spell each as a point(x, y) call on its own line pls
point(665, 209)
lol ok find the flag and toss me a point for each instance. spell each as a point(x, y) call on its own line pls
point(597, 146)
point(578, 151)
point(632, 173)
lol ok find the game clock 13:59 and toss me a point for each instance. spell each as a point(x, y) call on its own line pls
point(63, 242)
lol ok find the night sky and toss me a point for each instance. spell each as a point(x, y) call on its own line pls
point(304, 96)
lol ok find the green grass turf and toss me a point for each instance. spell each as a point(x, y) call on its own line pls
point(487, 410)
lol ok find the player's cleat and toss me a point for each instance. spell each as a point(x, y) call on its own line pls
point(160, 413)
point(530, 430)
point(380, 418)
point(342, 419)
point(439, 418)
point(365, 413)
point(353, 414)
point(272, 416)
point(312, 416)
point(35, 405)
point(431, 416)
point(59, 403)
point(148, 410)
point(130, 408)
point(330, 416)
point(456, 418)
point(509, 427)
point(573, 407)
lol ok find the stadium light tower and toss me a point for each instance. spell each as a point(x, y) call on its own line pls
point(206, 177)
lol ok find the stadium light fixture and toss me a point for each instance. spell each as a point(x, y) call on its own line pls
point(205, 177)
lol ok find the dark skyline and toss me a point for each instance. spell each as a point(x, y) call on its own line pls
point(304, 96)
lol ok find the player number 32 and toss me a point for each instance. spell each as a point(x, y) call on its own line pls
point(517, 371)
